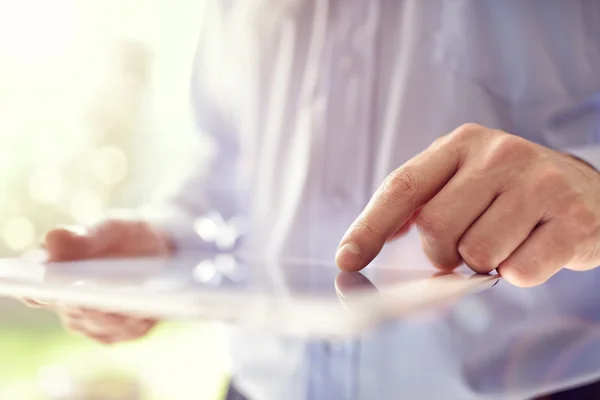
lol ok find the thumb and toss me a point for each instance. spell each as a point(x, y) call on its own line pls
point(74, 242)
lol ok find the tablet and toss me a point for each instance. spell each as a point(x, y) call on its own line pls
point(294, 296)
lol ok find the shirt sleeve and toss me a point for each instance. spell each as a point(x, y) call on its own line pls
point(199, 211)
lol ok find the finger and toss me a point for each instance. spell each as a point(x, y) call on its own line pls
point(446, 217)
point(142, 328)
point(108, 318)
point(102, 338)
point(31, 303)
point(34, 303)
point(406, 227)
point(101, 321)
point(77, 318)
point(77, 327)
point(73, 243)
point(69, 243)
point(403, 191)
point(73, 326)
point(133, 329)
point(545, 252)
point(402, 231)
point(498, 232)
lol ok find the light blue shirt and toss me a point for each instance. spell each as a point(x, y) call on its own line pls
point(311, 103)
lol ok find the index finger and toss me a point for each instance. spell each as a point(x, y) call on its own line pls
point(401, 194)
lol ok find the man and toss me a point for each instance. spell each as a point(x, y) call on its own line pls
point(312, 104)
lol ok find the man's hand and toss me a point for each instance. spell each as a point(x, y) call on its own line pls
point(490, 199)
point(111, 238)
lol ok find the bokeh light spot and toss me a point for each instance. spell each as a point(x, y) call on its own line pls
point(18, 233)
point(56, 382)
point(206, 273)
point(225, 263)
point(110, 165)
point(206, 228)
point(45, 185)
point(86, 207)
point(226, 238)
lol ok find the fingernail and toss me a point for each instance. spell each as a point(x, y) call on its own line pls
point(348, 256)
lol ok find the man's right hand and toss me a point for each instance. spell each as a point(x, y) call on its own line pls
point(110, 238)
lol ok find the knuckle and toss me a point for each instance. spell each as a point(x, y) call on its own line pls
point(432, 224)
point(439, 142)
point(400, 184)
point(552, 177)
point(506, 148)
point(469, 130)
point(443, 141)
point(477, 255)
point(512, 143)
point(74, 326)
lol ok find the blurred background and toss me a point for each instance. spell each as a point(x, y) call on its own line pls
point(82, 81)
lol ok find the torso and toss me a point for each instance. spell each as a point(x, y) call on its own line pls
point(328, 97)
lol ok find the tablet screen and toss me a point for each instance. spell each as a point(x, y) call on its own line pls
point(305, 297)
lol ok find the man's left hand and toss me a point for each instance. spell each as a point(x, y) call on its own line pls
point(491, 199)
